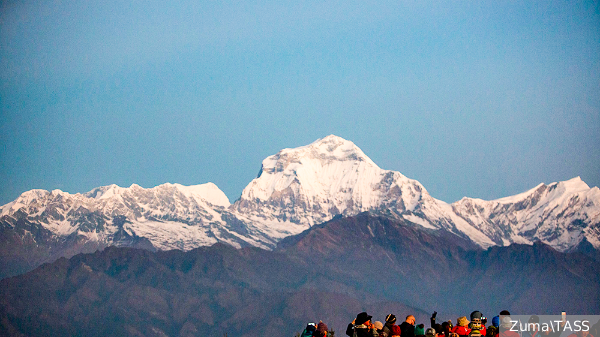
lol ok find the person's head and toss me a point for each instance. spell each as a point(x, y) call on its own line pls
point(396, 331)
point(438, 328)
point(476, 315)
point(505, 323)
point(311, 327)
point(430, 332)
point(363, 318)
point(390, 319)
point(378, 325)
point(321, 330)
point(462, 321)
point(420, 330)
point(504, 313)
point(410, 319)
point(534, 320)
point(496, 321)
point(446, 328)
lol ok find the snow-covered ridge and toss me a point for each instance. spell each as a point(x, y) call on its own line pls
point(300, 187)
point(208, 192)
point(559, 214)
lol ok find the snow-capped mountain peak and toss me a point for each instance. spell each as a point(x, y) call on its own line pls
point(105, 192)
point(209, 192)
point(311, 184)
point(317, 167)
point(560, 214)
point(574, 185)
point(295, 189)
point(330, 148)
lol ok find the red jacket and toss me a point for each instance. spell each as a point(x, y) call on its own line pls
point(461, 330)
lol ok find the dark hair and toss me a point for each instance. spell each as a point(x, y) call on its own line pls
point(504, 313)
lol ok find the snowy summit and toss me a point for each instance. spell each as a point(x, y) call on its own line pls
point(296, 189)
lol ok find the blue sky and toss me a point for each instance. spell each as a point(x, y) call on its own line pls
point(472, 98)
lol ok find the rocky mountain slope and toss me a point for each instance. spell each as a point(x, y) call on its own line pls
point(295, 189)
point(331, 272)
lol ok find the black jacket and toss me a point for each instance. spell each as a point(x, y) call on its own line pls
point(408, 330)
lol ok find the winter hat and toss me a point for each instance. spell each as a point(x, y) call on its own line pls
point(462, 321)
point(390, 319)
point(322, 327)
point(396, 330)
point(378, 325)
point(362, 318)
point(311, 327)
point(419, 330)
point(496, 321)
point(430, 332)
point(476, 314)
point(506, 322)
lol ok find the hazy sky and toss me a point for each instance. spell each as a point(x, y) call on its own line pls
point(472, 98)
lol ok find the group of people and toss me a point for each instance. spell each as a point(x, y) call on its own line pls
point(315, 330)
point(362, 326)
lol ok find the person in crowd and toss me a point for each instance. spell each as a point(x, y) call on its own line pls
point(321, 330)
point(533, 327)
point(361, 326)
point(432, 319)
point(378, 326)
point(492, 330)
point(420, 330)
point(390, 321)
point(462, 326)
point(446, 329)
point(503, 314)
point(396, 331)
point(505, 327)
point(430, 332)
point(477, 326)
point(408, 326)
point(309, 330)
